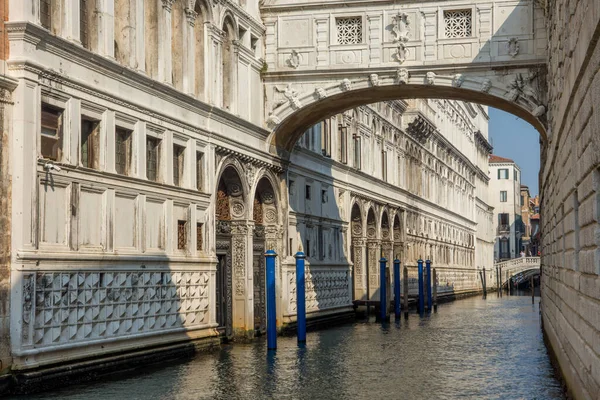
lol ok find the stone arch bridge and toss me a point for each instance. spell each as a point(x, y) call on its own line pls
point(322, 59)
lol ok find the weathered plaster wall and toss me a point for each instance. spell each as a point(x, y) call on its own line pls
point(570, 196)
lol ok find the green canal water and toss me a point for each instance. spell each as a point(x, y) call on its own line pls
point(470, 349)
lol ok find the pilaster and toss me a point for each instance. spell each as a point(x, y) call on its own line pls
point(106, 28)
point(373, 255)
point(360, 281)
point(322, 41)
point(164, 41)
point(70, 23)
point(241, 253)
point(189, 70)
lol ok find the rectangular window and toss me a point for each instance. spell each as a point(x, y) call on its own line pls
point(357, 155)
point(46, 13)
point(52, 133)
point(326, 138)
point(307, 249)
point(181, 235)
point(349, 30)
point(122, 151)
point(503, 173)
point(522, 200)
point(152, 158)
point(178, 158)
point(90, 143)
point(384, 165)
point(324, 196)
point(504, 219)
point(199, 238)
point(516, 175)
point(307, 194)
point(457, 23)
point(343, 144)
point(291, 247)
point(199, 170)
point(503, 196)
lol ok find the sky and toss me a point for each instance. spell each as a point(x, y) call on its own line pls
point(515, 139)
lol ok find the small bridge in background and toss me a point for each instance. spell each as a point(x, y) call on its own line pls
point(510, 268)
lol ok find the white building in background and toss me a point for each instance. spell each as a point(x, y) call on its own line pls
point(505, 195)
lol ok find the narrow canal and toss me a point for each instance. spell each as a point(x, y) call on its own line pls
point(470, 349)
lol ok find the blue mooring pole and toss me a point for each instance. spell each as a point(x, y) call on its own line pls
point(421, 294)
point(382, 294)
point(300, 297)
point(429, 296)
point(397, 288)
point(271, 308)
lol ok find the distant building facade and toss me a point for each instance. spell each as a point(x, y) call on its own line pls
point(505, 193)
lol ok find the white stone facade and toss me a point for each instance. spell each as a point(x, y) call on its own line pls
point(505, 197)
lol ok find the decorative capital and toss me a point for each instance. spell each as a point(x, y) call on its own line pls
point(168, 4)
point(191, 16)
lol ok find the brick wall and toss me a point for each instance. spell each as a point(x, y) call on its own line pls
point(571, 194)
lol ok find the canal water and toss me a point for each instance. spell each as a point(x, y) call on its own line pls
point(470, 349)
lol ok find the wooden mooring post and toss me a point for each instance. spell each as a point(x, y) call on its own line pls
point(532, 290)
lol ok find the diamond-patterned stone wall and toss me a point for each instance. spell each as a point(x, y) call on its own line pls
point(324, 289)
point(69, 307)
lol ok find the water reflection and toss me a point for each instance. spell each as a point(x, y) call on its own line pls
point(471, 348)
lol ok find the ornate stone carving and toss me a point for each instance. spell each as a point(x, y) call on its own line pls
point(401, 30)
point(346, 85)
point(238, 209)
point(458, 80)
point(539, 111)
point(402, 76)
point(267, 197)
point(223, 244)
point(320, 93)
point(294, 59)
point(430, 78)
point(28, 301)
point(239, 263)
point(80, 306)
point(402, 52)
point(374, 79)
point(291, 95)
point(512, 47)
point(191, 16)
point(167, 4)
point(223, 228)
point(271, 215)
point(273, 120)
point(486, 85)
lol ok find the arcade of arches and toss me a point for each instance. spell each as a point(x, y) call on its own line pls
point(153, 150)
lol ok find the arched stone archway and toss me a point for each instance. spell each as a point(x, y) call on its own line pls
point(373, 255)
point(266, 233)
point(233, 239)
point(357, 251)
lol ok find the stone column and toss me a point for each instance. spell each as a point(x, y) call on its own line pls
point(70, 22)
point(189, 40)
point(373, 256)
point(360, 281)
point(140, 29)
point(21, 10)
point(241, 254)
point(164, 42)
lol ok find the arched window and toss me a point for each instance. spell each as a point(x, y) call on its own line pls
point(227, 61)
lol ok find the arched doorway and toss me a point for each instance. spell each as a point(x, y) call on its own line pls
point(373, 254)
point(229, 206)
point(357, 247)
point(265, 216)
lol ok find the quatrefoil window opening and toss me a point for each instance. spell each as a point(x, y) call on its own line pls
point(458, 23)
point(349, 30)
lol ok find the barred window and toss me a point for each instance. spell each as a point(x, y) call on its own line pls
point(181, 235)
point(457, 23)
point(178, 154)
point(122, 151)
point(152, 146)
point(199, 238)
point(349, 30)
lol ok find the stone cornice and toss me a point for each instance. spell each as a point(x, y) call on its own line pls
point(483, 142)
point(275, 165)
